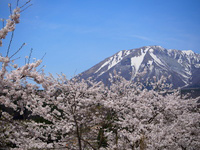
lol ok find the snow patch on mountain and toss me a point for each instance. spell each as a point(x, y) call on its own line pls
point(156, 59)
point(137, 61)
point(114, 60)
point(197, 66)
point(188, 52)
point(127, 52)
point(106, 63)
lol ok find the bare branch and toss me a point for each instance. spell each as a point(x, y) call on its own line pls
point(9, 5)
point(30, 55)
point(43, 56)
point(25, 4)
point(3, 25)
point(10, 43)
point(26, 8)
point(15, 59)
point(18, 50)
point(41, 68)
point(17, 3)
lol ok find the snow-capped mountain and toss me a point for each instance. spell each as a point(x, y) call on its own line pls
point(183, 67)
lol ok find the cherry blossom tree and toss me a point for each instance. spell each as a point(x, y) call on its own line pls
point(17, 95)
point(148, 120)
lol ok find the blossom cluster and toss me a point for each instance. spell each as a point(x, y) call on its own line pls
point(10, 24)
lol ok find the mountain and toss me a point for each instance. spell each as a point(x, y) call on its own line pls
point(148, 62)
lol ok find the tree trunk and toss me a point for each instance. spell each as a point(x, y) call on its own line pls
point(78, 133)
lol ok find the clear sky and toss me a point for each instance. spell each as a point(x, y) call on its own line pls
point(77, 34)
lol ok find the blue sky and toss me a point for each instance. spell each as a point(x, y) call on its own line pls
point(77, 34)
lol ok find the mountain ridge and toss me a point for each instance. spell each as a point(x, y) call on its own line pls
point(156, 61)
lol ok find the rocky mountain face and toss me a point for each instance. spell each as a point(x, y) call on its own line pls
point(148, 63)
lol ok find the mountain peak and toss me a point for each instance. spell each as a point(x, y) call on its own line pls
point(157, 47)
point(188, 52)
